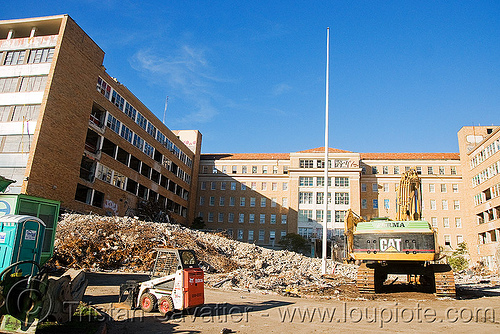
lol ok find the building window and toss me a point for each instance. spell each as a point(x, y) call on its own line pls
point(374, 170)
point(273, 219)
point(273, 202)
point(285, 169)
point(432, 188)
point(456, 205)
point(213, 185)
point(444, 204)
point(241, 218)
point(363, 170)
point(386, 187)
point(221, 201)
point(446, 222)
point(375, 203)
point(223, 185)
point(385, 170)
point(319, 215)
point(243, 186)
point(458, 222)
point(396, 169)
point(447, 240)
point(210, 217)
point(264, 169)
point(117, 100)
point(221, 217)
point(374, 187)
point(283, 219)
point(407, 168)
point(275, 169)
point(250, 235)
point(243, 169)
point(342, 182)
point(320, 197)
point(285, 186)
point(341, 198)
point(305, 215)
point(274, 186)
point(253, 185)
point(306, 181)
point(284, 202)
point(430, 170)
point(202, 200)
point(240, 234)
point(113, 123)
point(214, 170)
point(386, 204)
point(242, 201)
point(363, 203)
point(433, 204)
point(455, 187)
point(453, 170)
point(262, 234)
point(320, 181)
point(441, 170)
point(234, 169)
point(251, 218)
point(254, 169)
point(434, 221)
point(233, 185)
point(363, 187)
point(305, 198)
point(306, 163)
point(264, 186)
point(211, 201)
point(339, 216)
point(272, 235)
point(41, 56)
point(419, 170)
point(262, 218)
point(460, 239)
point(230, 217)
point(231, 201)
point(252, 201)
point(443, 188)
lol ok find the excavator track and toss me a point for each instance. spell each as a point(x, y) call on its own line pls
point(444, 280)
point(366, 279)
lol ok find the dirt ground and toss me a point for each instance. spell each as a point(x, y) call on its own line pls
point(398, 309)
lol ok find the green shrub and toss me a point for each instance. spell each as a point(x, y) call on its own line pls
point(458, 260)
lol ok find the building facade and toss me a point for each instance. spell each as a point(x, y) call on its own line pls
point(70, 132)
point(235, 190)
point(480, 158)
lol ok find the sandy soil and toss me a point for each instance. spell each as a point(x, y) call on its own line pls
point(398, 309)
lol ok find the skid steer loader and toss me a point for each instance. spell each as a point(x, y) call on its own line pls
point(176, 283)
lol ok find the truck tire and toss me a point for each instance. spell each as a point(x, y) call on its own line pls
point(166, 305)
point(148, 302)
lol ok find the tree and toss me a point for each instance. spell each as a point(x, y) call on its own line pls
point(198, 223)
point(294, 242)
point(459, 258)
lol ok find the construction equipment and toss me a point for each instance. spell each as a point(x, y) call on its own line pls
point(176, 283)
point(407, 245)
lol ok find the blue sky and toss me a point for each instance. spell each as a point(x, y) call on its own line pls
point(404, 75)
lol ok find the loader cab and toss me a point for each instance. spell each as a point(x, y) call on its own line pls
point(168, 261)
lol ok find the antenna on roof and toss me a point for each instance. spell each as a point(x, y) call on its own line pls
point(165, 110)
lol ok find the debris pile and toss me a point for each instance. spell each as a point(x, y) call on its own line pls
point(112, 243)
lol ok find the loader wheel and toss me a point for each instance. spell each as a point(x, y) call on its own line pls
point(165, 305)
point(148, 302)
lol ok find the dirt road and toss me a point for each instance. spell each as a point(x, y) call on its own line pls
point(244, 312)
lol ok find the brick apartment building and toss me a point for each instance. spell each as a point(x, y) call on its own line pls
point(480, 158)
point(72, 133)
point(261, 197)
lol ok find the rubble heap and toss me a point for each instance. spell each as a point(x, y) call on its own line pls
point(103, 243)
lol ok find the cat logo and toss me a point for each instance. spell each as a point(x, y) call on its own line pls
point(390, 245)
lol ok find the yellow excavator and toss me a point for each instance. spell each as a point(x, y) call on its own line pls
point(407, 245)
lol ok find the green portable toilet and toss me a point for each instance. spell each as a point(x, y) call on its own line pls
point(21, 239)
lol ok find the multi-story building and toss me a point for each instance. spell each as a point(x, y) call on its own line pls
point(233, 186)
point(72, 133)
point(480, 158)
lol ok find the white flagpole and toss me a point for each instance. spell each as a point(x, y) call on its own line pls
point(325, 196)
